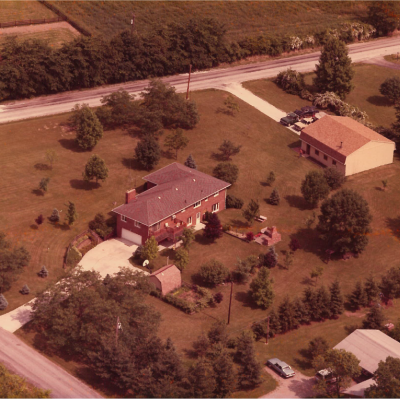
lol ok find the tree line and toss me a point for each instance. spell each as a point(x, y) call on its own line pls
point(33, 67)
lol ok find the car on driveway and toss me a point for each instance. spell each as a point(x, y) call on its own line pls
point(280, 367)
point(290, 119)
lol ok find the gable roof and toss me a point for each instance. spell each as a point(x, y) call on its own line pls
point(169, 277)
point(339, 137)
point(177, 187)
point(370, 346)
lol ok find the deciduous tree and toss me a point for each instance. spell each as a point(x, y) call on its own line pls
point(334, 178)
point(261, 290)
point(95, 169)
point(213, 273)
point(227, 172)
point(88, 127)
point(148, 152)
point(384, 16)
point(228, 149)
point(51, 157)
point(213, 228)
point(176, 141)
point(251, 211)
point(181, 258)
point(43, 184)
point(150, 249)
point(390, 88)
point(386, 380)
point(314, 187)
point(188, 237)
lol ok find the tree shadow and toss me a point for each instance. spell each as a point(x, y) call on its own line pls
point(42, 167)
point(190, 353)
point(134, 132)
point(226, 111)
point(237, 223)
point(310, 242)
point(63, 226)
point(81, 184)
point(168, 154)
point(297, 201)
point(379, 188)
point(306, 361)
point(203, 240)
point(380, 101)
point(246, 300)
point(34, 227)
point(218, 157)
point(394, 225)
point(38, 192)
point(307, 281)
point(86, 374)
point(70, 144)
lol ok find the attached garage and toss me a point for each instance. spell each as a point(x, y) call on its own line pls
point(132, 237)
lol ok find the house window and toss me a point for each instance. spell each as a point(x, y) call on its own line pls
point(197, 204)
point(137, 224)
point(216, 194)
point(189, 221)
point(325, 157)
point(316, 152)
point(215, 207)
point(123, 218)
point(333, 162)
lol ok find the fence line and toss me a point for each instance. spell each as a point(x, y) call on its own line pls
point(32, 22)
point(72, 22)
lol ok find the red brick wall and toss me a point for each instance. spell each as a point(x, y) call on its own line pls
point(183, 216)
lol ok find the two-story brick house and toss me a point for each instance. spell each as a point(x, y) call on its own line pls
point(176, 197)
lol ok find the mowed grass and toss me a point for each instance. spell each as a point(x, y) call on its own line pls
point(18, 10)
point(266, 146)
point(365, 95)
point(54, 37)
point(241, 18)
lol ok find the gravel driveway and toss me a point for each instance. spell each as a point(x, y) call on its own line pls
point(108, 256)
point(298, 387)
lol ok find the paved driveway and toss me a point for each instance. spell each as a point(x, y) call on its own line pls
point(108, 256)
point(298, 387)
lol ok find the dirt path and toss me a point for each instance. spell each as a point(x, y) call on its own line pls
point(298, 387)
point(16, 30)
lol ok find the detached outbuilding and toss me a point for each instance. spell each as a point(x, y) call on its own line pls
point(166, 279)
point(346, 144)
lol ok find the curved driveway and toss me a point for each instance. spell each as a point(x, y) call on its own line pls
point(214, 78)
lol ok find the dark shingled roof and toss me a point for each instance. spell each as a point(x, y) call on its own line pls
point(327, 134)
point(177, 188)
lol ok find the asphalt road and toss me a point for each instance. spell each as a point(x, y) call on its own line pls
point(38, 370)
point(214, 78)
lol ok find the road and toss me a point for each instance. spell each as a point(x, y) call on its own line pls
point(21, 359)
point(215, 78)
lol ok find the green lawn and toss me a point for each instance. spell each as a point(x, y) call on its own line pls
point(367, 81)
point(266, 146)
point(55, 37)
point(18, 10)
point(241, 18)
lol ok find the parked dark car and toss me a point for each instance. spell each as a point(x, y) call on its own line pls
point(290, 119)
point(281, 367)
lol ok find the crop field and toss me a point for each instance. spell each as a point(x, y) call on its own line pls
point(241, 18)
point(18, 10)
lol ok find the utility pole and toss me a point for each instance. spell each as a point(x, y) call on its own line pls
point(230, 303)
point(190, 71)
point(266, 341)
point(132, 23)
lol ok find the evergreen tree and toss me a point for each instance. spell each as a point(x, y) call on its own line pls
point(227, 172)
point(201, 345)
point(148, 152)
point(314, 187)
point(43, 273)
point(358, 297)
point(251, 211)
point(309, 301)
point(150, 249)
point(274, 199)
point(225, 376)
point(181, 258)
point(176, 141)
point(271, 258)
point(107, 280)
point(3, 302)
point(25, 289)
point(213, 228)
point(43, 184)
point(323, 301)
point(228, 149)
point(345, 221)
point(190, 162)
point(261, 289)
point(336, 306)
point(88, 127)
point(202, 380)
point(95, 169)
point(287, 316)
point(371, 289)
point(271, 178)
point(55, 216)
point(301, 311)
point(71, 215)
point(334, 71)
point(274, 324)
point(218, 333)
point(375, 318)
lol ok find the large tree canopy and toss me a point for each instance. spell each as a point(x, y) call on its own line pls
point(386, 380)
point(345, 221)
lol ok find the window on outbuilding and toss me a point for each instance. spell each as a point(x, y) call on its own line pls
point(325, 157)
point(317, 152)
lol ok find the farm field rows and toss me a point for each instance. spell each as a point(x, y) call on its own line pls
point(18, 10)
point(240, 18)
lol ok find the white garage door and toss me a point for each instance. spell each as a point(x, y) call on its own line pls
point(132, 237)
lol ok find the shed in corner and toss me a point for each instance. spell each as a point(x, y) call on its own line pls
point(166, 279)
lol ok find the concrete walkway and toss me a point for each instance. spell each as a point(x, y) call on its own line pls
point(17, 318)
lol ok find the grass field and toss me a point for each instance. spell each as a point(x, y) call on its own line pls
point(365, 96)
point(241, 18)
point(266, 146)
point(55, 37)
point(18, 10)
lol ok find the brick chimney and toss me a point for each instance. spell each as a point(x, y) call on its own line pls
point(130, 195)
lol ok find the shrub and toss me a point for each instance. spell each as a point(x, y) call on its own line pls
point(182, 304)
point(271, 258)
point(274, 199)
point(73, 257)
point(43, 273)
point(226, 228)
point(306, 95)
point(100, 226)
point(294, 244)
point(213, 273)
point(39, 219)
point(391, 88)
point(138, 252)
point(334, 178)
point(25, 289)
point(3, 302)
point(233, 202)
point(218, 297)
point(290, 81)
point(55, 216)
point(250, 236)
